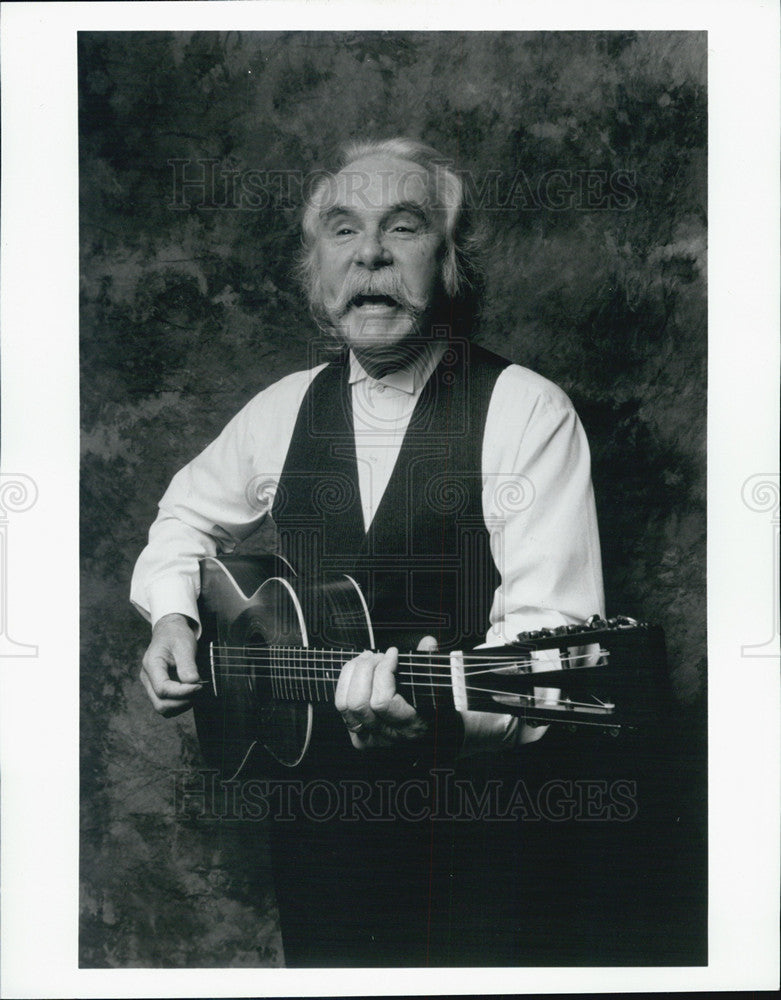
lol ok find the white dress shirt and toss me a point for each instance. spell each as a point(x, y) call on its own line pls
point(382, 409)
point(537, 501)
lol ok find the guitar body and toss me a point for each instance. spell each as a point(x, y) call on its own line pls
point(256, 602)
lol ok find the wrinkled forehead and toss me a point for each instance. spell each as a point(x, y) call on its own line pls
point(377, 184)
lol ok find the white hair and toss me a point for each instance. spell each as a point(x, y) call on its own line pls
point(461, 273)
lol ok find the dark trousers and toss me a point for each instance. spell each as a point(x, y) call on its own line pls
point(573, 875)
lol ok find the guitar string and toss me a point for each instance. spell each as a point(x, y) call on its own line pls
point(475, 690)
point(553, 704)
point(265, 654)
point(482, 653)
point(426, 680)
point(440, 684)
point(315, 667)
point(484, 667)
point(489, 654)
point(470, 689)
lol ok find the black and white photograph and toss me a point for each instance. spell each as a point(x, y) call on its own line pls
point(390, 282)
point(396, 409)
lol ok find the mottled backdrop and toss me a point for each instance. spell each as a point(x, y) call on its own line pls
point(586, 155)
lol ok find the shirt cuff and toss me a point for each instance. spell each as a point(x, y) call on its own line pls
point(486, 732)
point(489, 732)
point(173, 596)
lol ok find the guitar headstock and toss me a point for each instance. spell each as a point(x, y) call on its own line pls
point(594, 630)
point(610, 674)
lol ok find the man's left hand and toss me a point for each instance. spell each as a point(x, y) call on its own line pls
point(375, 714)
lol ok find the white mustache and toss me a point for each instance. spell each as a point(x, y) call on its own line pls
point(385, 282)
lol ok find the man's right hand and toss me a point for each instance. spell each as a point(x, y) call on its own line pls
point(169, 673)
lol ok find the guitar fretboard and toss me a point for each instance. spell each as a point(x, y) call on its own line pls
point(297, 673)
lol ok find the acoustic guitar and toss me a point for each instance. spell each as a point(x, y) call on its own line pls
point(273, 645)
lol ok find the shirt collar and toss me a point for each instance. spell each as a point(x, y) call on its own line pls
point(409, 379)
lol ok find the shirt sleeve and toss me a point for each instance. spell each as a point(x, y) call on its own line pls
point(538, 506)
point(216, 500)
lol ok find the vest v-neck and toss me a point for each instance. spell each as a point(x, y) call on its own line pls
point(410, 439)
point(382, 407)
point(424, 562)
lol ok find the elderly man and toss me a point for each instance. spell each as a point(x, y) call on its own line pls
point(464, 506)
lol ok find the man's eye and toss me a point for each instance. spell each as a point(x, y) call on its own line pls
point(344, 231)
point(402, 229)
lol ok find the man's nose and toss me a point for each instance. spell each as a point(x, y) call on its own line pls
point(372, 251)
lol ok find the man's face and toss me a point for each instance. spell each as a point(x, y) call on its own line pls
point(378, 252)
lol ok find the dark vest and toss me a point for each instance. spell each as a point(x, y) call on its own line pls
point(424, 565)
point(381, 893)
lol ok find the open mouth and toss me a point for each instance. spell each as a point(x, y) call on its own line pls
point(359, 301)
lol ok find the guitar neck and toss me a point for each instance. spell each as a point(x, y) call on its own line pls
point(493, 680)
point(601, 675)
point(303, 674)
